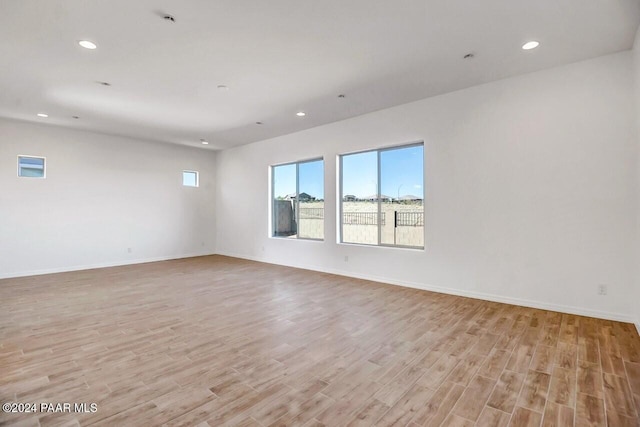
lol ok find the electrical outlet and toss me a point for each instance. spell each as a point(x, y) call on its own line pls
point(346, 258)
point(602, 289)
point(129, 250)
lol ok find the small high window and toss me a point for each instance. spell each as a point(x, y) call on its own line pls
point(190, 178)
point(31, 167)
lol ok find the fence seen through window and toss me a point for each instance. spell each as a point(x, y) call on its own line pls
point(382, 197)
point(298, 200)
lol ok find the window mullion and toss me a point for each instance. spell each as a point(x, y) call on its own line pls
point(341, 196)
point(297, 200)
point(379, 202)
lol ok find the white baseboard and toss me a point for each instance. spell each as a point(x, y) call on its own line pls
point(98, 265)
point(580, 311)
point(638, 327)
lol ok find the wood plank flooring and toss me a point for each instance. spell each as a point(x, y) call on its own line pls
point(215, 341)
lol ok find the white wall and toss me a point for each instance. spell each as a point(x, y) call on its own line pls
point(636, 72)
point(102, 195)
point(530, 191)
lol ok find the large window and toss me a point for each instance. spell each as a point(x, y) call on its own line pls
point(382, 197)
point(298, 200)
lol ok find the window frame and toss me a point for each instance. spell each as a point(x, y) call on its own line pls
point(297, 210)
point(197, 178)
point(44, 166)
point(378, 194)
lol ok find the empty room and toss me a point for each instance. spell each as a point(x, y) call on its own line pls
point(336, 213)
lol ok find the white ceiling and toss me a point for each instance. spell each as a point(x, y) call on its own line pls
point(277, 57)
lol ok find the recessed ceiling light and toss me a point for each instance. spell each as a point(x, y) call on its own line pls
point(43, 115)
point(223, 87)
point(204, 142)
point(342, 95)
point(87, 44)
point(259, 123)
point(75, 117)
point(301, 114)
point(169, 18)
point(104, 83)
point(530, 45)
point(468, 56)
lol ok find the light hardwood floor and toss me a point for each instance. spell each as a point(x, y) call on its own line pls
point(222, 341)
